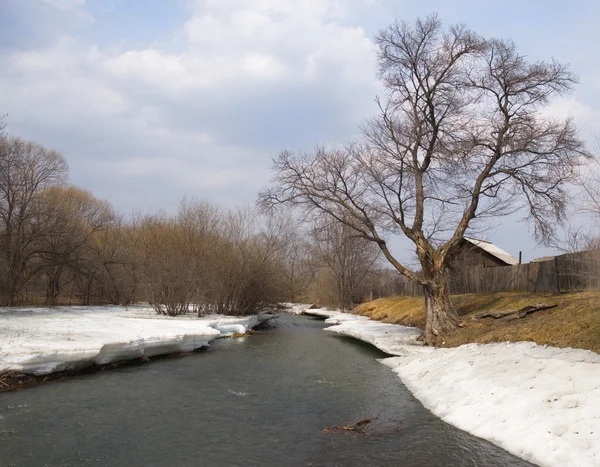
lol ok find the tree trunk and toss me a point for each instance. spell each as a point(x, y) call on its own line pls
point(441, 314)
point(53, 284)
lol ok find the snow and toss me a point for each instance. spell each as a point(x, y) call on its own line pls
point(45, 340)
point(539, 403)
point(321, 313)
point(295, 308)
point(389, 338)
point(305, 309)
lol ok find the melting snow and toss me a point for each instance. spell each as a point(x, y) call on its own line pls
point(539, 403)
point(44, 340)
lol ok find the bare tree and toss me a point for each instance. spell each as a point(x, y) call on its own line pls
point(205, 260)
point(26, 169)
point(349, 257)
point(74, 218)
point(293, 248)
point(583, 231)
point(169, 268)
point(459, 139)
point(296, 267)
point(246, 269)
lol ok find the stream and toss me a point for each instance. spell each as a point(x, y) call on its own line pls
point(263, 400)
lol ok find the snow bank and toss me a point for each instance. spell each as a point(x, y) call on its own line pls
point(389, 338)
point(303, 309)
point(319, 312)
point(41, 341)
point(295, 308)
point(539, 403)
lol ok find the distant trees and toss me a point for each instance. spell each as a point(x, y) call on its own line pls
point(298, 268)
point(586, 235)
point(68, 249)
point(169, 267)
point(347, 259)
point(26, 170)
point(459, 139)
point(60, 244)
point(207, 260)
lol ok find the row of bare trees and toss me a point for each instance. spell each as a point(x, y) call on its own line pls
point(208, 260)
point(61, 245)
point(232, 262)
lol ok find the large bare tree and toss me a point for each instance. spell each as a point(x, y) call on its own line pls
point(459, 139)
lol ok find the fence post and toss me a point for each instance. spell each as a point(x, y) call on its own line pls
point(556, 274)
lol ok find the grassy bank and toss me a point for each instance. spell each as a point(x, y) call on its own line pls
point(575, 322)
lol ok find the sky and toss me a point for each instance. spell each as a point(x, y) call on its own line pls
point(151, 100)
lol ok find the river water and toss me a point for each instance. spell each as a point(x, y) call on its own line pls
point(257, 401)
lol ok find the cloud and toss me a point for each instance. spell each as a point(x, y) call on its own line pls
point(203, 114)
point(233, 42)
point(586, 117)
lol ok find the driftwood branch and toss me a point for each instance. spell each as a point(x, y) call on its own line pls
point(356, 425)
point(515, 314)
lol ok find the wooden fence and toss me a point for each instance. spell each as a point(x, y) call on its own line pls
point(573, 272)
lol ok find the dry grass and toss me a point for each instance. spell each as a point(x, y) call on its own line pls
point(407, 311)
point(574, 323)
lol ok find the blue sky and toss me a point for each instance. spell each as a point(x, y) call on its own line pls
point(150, 100)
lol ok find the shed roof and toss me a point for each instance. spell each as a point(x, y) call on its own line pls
point(494, 251)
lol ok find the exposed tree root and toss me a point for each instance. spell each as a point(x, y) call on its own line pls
point(515, 314)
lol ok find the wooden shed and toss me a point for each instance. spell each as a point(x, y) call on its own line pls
point(479, 253)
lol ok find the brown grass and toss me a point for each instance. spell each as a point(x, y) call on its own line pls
point(407, 311)
point(574, 323)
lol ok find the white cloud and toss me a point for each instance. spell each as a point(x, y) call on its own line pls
point(264, 41)
point(250, 79)
point(586, 117)
point(57, 83)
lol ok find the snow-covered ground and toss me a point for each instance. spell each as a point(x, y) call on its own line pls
point(539, 403)
point(45, 340)
point(303, 309)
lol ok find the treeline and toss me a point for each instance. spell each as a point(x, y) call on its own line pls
point(59, 244)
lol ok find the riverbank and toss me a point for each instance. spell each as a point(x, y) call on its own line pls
point(574, 322)
point(537, 402)
point(41, 341)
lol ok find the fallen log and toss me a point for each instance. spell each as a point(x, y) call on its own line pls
point(357, 425)
point(515, 314)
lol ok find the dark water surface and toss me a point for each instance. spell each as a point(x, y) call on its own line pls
point(259, 401)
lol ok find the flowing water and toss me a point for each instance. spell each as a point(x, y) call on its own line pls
point(258, 401)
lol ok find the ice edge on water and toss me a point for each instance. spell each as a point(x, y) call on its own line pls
point(45, 340)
